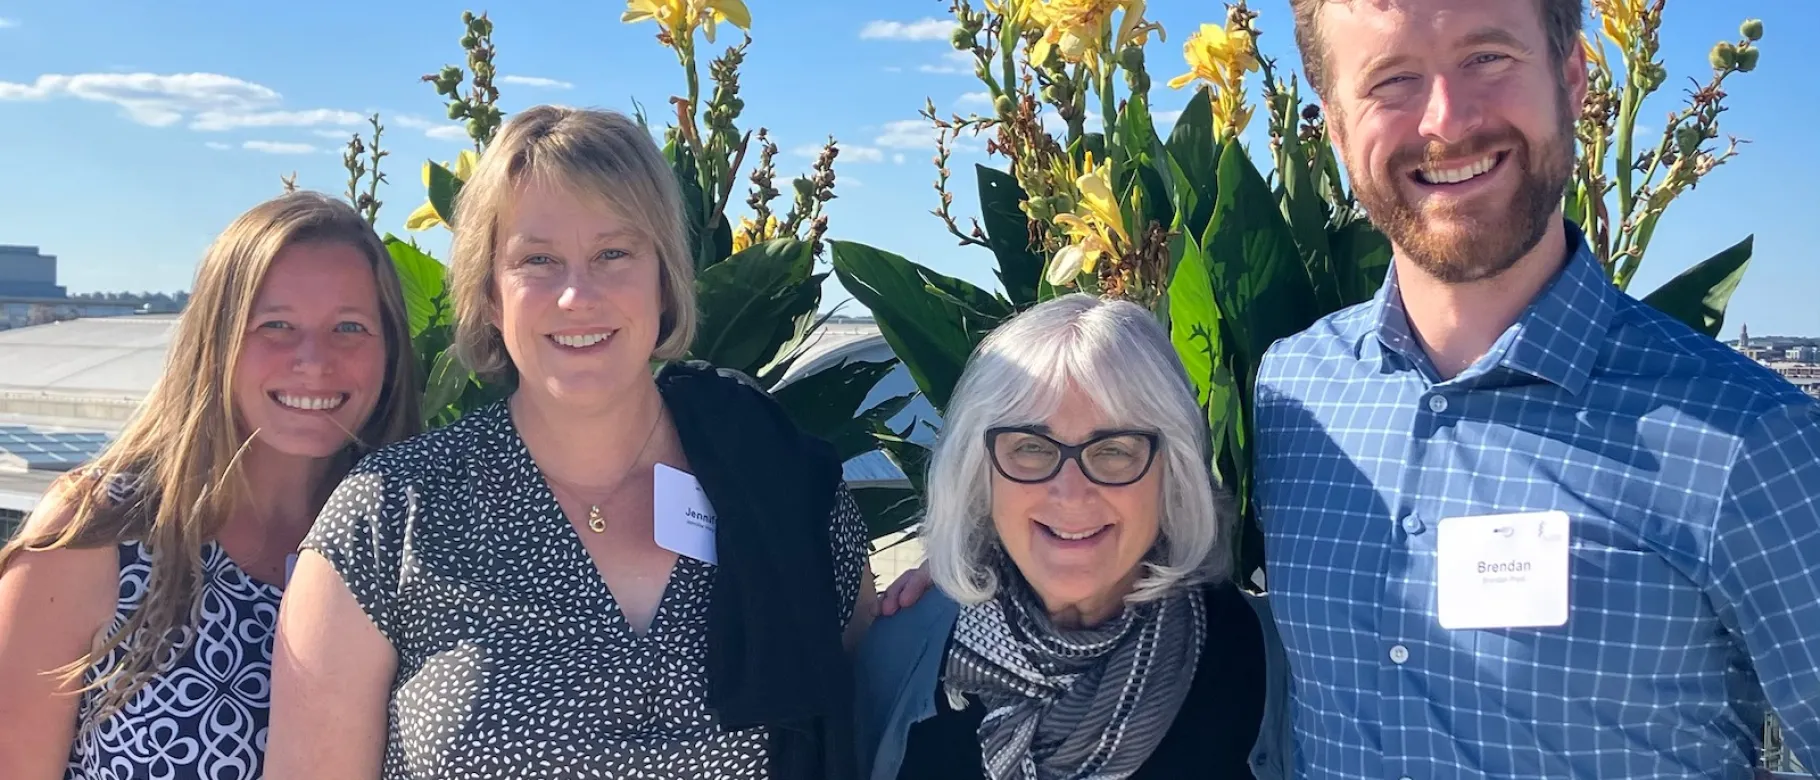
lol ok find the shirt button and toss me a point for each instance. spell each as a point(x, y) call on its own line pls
point(1437, 403)
point(1412, 525)
point(1399, 654)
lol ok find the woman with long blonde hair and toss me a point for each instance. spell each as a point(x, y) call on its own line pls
point(137, 604)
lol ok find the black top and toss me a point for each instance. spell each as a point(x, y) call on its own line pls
point(1212, 736)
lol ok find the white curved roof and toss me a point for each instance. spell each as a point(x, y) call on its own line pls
point(103, 357)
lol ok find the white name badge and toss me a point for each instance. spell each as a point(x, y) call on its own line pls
point(1503, 571)
point(682, 518)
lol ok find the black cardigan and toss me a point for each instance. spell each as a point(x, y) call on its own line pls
point(774, 657)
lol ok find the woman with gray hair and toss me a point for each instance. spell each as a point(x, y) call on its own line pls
point(1084, 623)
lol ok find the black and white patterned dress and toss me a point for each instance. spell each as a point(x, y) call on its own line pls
point(203, 716)
point(513, 659)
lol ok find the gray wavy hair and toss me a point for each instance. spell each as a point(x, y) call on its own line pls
point(1121, 358)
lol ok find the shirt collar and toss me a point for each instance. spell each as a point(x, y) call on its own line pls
point(1557, 339)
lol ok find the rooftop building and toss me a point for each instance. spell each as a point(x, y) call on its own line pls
point(79, 381)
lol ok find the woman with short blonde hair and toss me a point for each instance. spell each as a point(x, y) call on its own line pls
point(291, 360)
point(608, 574)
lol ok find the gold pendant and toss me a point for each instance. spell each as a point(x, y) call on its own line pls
point(596, 523)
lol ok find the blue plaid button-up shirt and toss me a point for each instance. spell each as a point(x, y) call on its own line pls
point(1691, 476)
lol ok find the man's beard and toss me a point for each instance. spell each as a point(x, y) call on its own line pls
point(1484, 242)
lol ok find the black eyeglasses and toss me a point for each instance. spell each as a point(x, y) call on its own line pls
point(1113, 458)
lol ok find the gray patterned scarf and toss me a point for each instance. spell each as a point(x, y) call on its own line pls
point(1078, 704)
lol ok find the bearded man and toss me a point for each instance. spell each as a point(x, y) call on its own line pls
point(1519, 524)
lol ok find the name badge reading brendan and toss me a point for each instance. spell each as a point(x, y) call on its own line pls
point(682, 519)
point(1503, 571)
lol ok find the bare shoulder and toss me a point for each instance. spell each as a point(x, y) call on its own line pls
point(43, 588)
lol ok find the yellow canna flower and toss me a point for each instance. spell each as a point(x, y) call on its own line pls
point(1078, 28)
point(1595, 53)
point(733, 12)
point(1095, 185)
point(1216, 55)
point(1095, 229)
point(425, 217)
point(749, 233)
point(1621, 20)
point(679, 18)
point(1221, 56)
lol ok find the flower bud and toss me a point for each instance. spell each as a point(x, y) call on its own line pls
point(1004, 105)
point(469, 41)
point(1137, 80)
point(961, 40)
point(451, 74)
point(1062, 203)
point(1039, 209)
point(467, 17)
point(1752, 29)
point(1131, 57)
point(1747, 59)
point(458, 109)
point(476, 128)
point(1065, 266)
point(1688, 138)
point(1724, 56)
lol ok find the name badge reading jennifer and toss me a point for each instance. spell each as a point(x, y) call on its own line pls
point(1503, 571)
point(682, 519)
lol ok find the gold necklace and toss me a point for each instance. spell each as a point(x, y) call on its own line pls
point(596, 522)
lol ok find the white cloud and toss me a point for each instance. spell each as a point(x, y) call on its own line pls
point(847, 153)
point(1164, 120)
point(279, 147)
point(1053, 122)
point(218, 120)
point(953, 63)
point(894, 69)
point(158, 100)
point(898, 158)
point(981, 98)
point(209, 102)
point(218, 145)
point(338, 135)
point(535, 81)
point(926, 29)
point(441, 131)
point(5, 23)
point(908, 134)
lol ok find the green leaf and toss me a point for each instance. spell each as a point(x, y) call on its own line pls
point(1259, 283)
point(1020, 268)
point(1194, 321)
point(1306, 212)
point(421, 277)
point(963, 294)
point(446, 381)
point(826, 403)
point(888, 510)
point(1146, 158)
point(1361, 258)
point(798, 344)
point(748, 304)
point(1194, 163)
point(444, 187)
point(1698, 296)
point(932, 336)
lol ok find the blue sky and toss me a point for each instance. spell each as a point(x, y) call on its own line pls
point(136, 131)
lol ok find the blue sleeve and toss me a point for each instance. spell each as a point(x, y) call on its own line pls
point(1765, 566)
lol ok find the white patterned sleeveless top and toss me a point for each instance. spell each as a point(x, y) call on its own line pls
point(204, 716)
